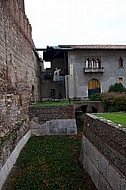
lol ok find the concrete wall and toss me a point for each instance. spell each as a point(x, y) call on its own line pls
point(18, 76)
point(55, 120)
point(78, 83)
point(103, 153)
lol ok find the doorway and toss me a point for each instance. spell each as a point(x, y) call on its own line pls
point(94, 87)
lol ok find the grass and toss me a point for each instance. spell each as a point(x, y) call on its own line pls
point(50, 163)
point(61, 102)
point(53, 103)
point(118, 118)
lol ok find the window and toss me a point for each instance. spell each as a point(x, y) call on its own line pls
point(52, 93)
point(120, 62)
point(120, 79)
point(93, 62)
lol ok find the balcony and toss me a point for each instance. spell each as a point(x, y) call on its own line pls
point(58, 78)
point(94, 70)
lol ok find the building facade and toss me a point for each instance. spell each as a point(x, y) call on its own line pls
point(86, 69)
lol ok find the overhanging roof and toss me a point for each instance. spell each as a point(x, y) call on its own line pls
point(93, 46)
point(57, 51)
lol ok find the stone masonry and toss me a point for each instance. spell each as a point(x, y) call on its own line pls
point(19, 75)
point(103, 153)
point(52, 120)
point(58, 120)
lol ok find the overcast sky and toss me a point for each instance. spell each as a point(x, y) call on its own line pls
point(59, 22)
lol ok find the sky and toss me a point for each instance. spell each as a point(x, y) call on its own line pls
point(77, 22)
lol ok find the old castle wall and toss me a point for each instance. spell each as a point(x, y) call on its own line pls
point(103, 153)
point(19, 76)
point(57, 120)
point(52, 120)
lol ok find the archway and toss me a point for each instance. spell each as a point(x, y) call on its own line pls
point(94, 87)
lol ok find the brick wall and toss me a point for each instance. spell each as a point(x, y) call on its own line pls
point(53, 120)
point(103, 153)
point(52, 112)
point(18, 75)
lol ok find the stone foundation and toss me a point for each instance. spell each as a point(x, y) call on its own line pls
point(103, 153)
point(5, 170)
point(53, 120)
point(54, 127)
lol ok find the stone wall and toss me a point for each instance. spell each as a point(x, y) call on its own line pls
point(57, 120)
point(54, 120)
point(19, 76)
point(103, 153)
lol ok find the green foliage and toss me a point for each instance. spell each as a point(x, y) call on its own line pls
point(113, 102)
point(95, 97)
point(117, 87)
point(118, 118)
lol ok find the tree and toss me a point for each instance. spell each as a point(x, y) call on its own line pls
point(117, 87)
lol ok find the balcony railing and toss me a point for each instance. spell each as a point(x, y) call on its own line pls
point(55, 78)
point(58, 78)
point(94, 70)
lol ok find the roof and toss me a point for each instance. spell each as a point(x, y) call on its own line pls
point(73, 47)
point(93, 46)
point(58, 51)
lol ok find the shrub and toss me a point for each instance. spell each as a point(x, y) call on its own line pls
point(95, 97)
point(113, 102)
point(117, 87)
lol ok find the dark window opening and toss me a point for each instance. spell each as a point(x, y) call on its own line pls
point(120, 80)
point(94, 110)
point(33, 88)
point(84, 108)
point(120, 62)
point(52, 93)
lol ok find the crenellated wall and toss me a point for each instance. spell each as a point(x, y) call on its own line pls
point(19, 77)
point(103, 153)
point(13, 12)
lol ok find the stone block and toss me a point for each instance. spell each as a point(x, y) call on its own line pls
point(5, 170)
point(3, 174)
point(114, 177)
point(102, 184)
point(62, 131)
point(71, 131)
point(103, 166)
point(123, 183)
point(93, 172)
point(53, 131)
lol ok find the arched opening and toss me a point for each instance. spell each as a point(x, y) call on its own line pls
point(94, 110)
point(94, 87)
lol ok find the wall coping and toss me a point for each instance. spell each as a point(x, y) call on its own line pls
point(109, 122)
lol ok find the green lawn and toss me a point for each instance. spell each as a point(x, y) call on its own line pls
point(60, 103)
point(118, 118)
point(49, 163)
point(53, 103)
